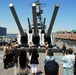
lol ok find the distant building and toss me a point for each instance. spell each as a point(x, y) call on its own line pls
point(68, 37)
point(3, 31)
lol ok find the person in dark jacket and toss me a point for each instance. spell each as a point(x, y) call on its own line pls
point(34, 61)
point(64, 49)
point(30, 48)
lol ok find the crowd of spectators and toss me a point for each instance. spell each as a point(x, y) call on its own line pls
point(15, 55)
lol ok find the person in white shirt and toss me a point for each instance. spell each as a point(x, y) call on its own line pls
point(68, 62)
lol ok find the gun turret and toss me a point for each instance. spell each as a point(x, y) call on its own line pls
point(47, 37)
point(35, 37)
point(38, 27)
point(24, 37)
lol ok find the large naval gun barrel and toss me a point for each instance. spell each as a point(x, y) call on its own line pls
point(24, 37)
point(35, 37)
point(30, 29)
point(44, 23)
point(48, 34)
point(43, 26)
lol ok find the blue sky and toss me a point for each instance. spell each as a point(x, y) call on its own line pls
point(65, 19)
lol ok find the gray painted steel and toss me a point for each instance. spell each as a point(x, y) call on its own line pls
point(16, 19)
point(29, 24)
point(34, 19)
point(52, 20)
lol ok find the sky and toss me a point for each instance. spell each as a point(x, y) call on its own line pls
point(65, 19)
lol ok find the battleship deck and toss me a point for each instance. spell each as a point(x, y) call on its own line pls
point(12, 71)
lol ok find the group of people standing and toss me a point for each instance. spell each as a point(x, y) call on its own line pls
point(69, 61)
point(51, 67)
point(14, 54)
point(8, 55)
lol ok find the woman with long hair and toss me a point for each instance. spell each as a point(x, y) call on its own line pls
point(23, 62)
point(34, 61)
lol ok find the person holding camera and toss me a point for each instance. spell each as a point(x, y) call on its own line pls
point(68, 62)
